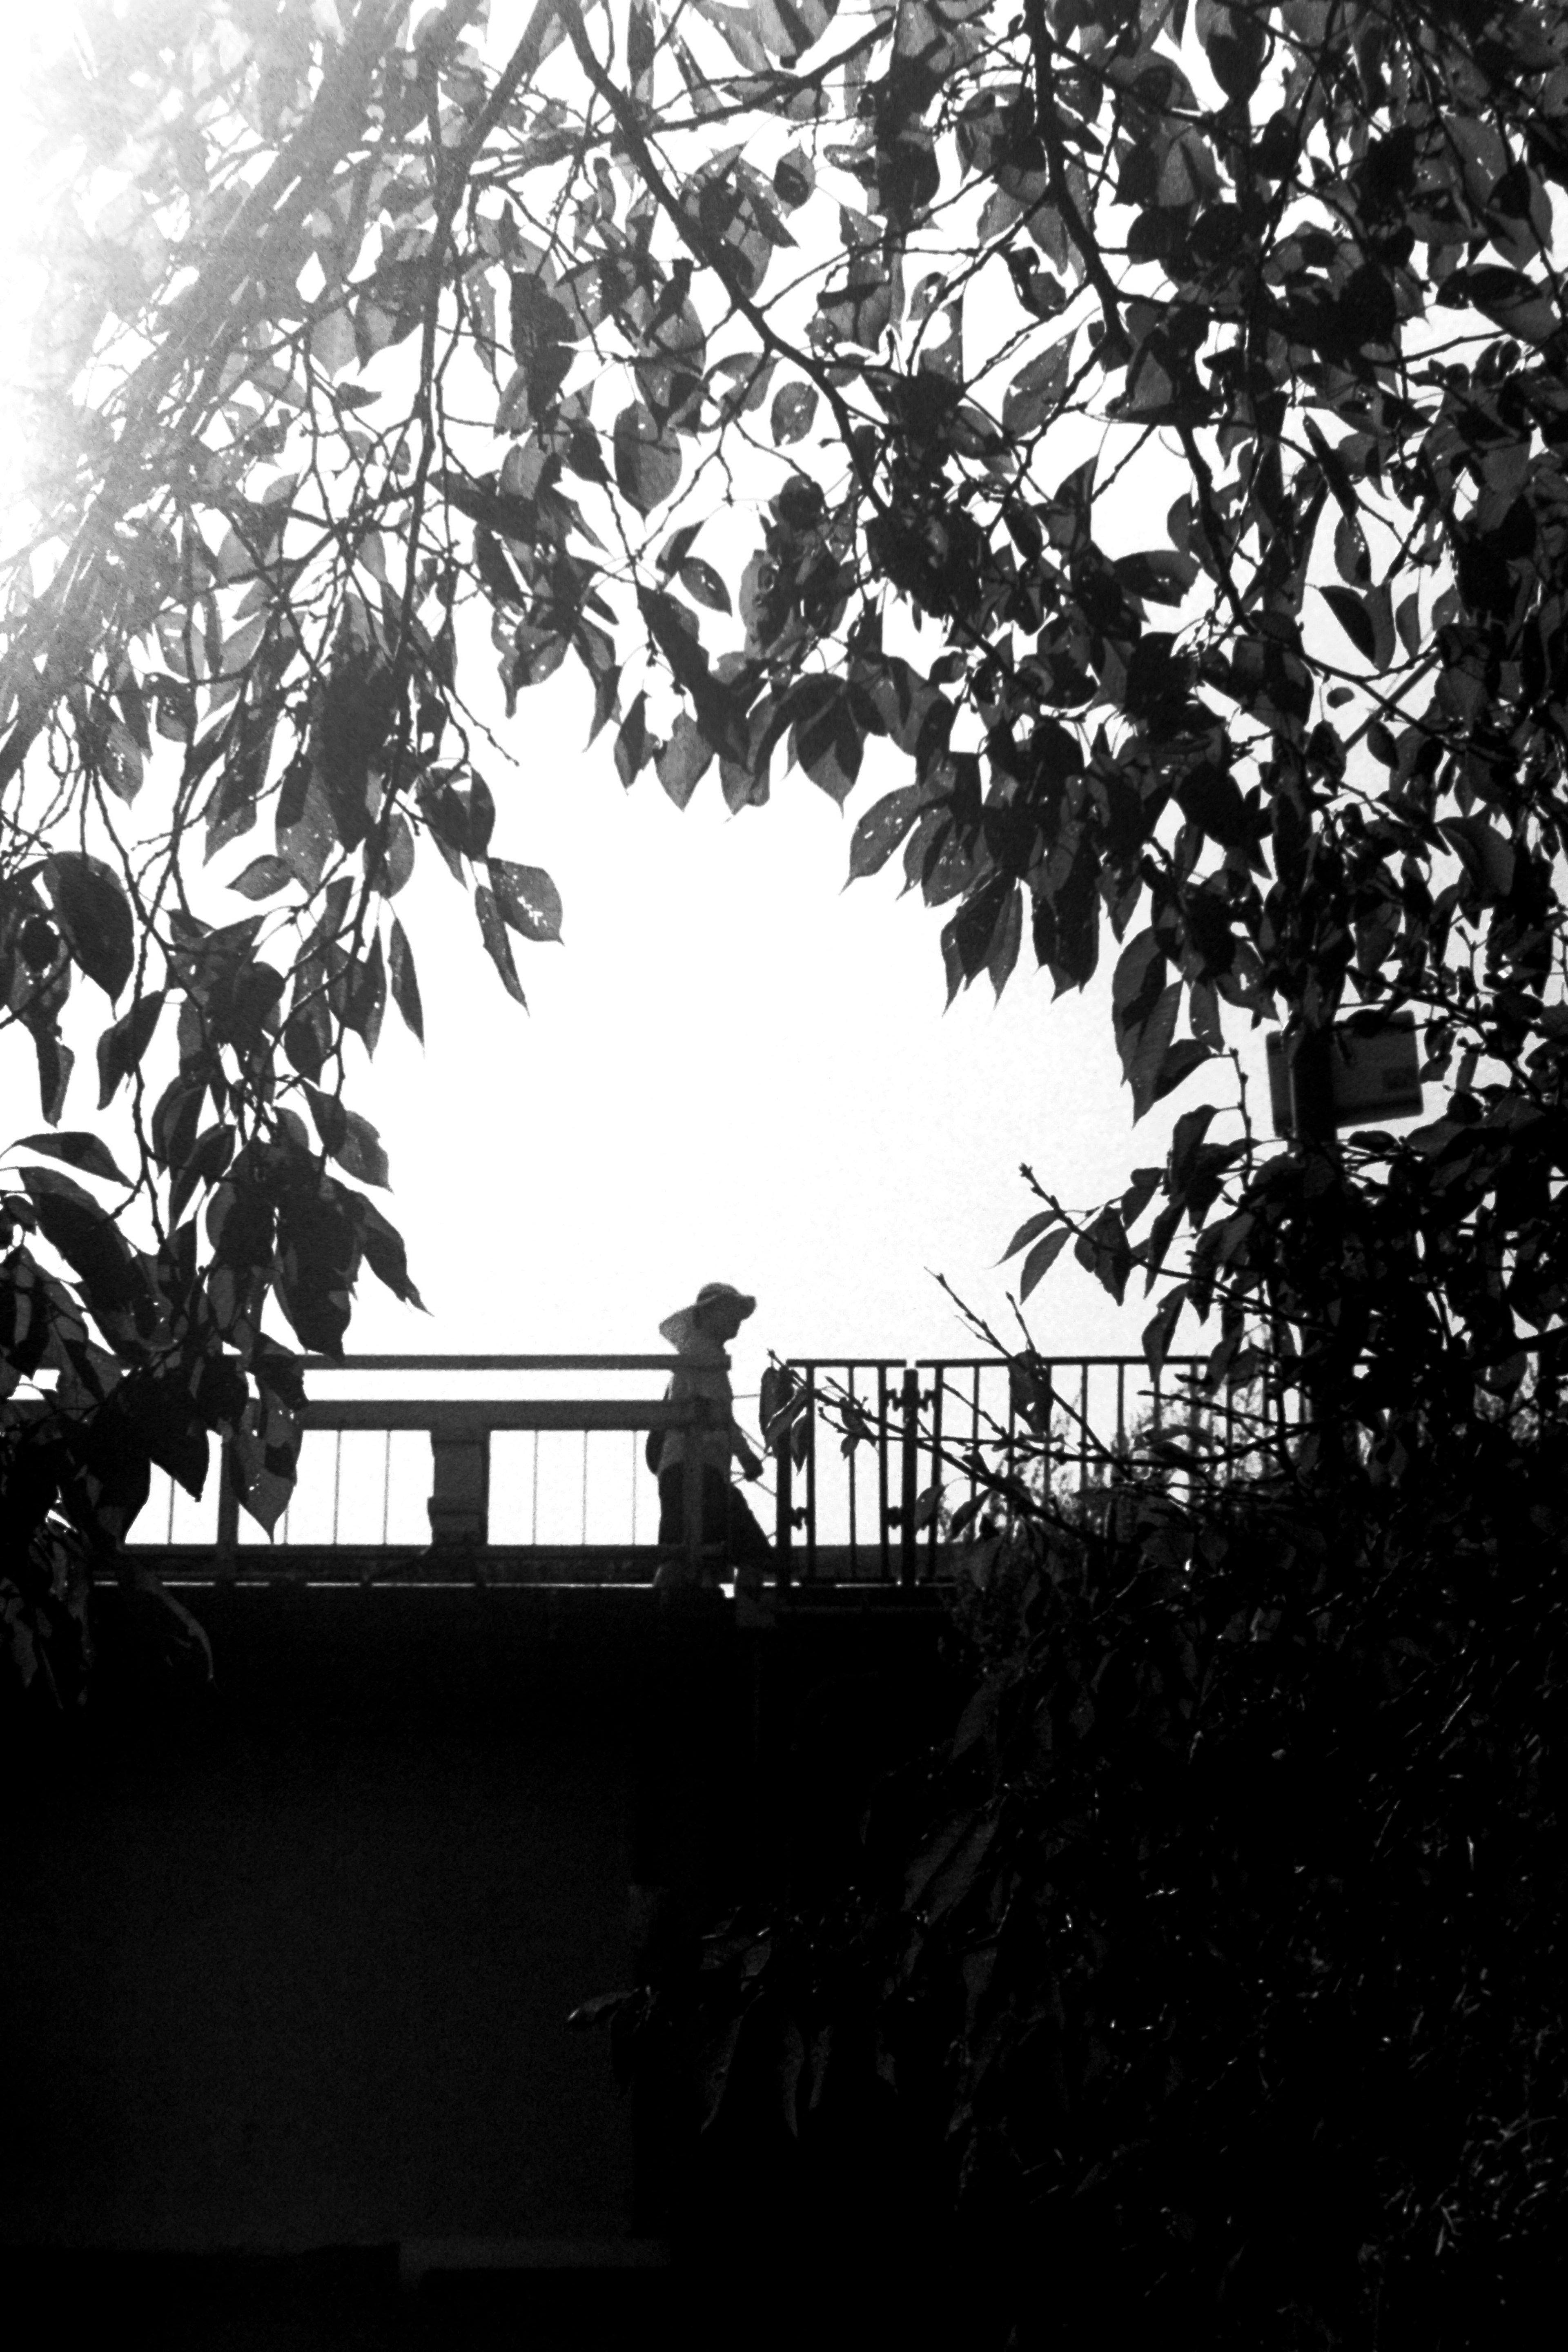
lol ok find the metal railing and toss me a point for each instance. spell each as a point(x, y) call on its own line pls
point(364, 1454)
point(879, 1464)
point(918, 1449)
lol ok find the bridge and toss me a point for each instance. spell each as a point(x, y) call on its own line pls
point(876, 1465)
point(295, 1940)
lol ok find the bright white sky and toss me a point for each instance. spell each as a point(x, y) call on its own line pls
point(732, 1069)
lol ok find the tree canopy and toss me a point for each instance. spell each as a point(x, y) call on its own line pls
point(1142, 422)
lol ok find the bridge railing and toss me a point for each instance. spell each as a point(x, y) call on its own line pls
point(879, 1465)
point(548, 1481)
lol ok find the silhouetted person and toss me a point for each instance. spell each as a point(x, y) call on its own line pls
point(730, 1537)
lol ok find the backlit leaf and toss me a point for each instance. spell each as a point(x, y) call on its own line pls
point(94, 916)
point(88, 1152)
point(1041, 1258)
point(498, 947)
point(794, 408)
point(1354, 618)
point(121, 1048)
point(529, 901)
point(263, 877)
point(405, 980)
point(703, 585)
point(880, 830)
point(648, 458)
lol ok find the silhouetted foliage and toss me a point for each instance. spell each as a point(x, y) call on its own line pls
point(1210, 1973)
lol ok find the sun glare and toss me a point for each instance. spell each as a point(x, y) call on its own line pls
point(38, 170)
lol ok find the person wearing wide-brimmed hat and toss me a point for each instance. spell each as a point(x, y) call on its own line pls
point(699, 1334)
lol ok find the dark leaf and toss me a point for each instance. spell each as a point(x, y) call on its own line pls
point(632, 743)
point(119, 1049)
point(383, 1251)
point(1350, 612)
point(1162, 1324)
point(262, 877)
point(405, 980)
point(880, 830)
point(349, 1138)
point(743, 386)
point(828, 744)
point(1105, 1252)
point(648, 458)
point(1144, 1012)
point(1042, 1220)
point(1178, 1061)
point(492, 930)
point(209, 1157)
point(1160, 575)
point(860, 310)
point(1041, 1258)
point(1035, 391)
point(529, 901)
point(317, 1257)
point(684, 760)
point(89, 1240)
point(1210, 797)
point(789, 27)
point(703, 585)
point(94, 916)
point(88, 1152)
point(793, 410)
point(794, 176)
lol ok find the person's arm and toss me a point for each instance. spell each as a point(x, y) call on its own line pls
point(744, 1451)
point(741, 1446)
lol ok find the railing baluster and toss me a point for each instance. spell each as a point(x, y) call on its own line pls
point(228, 1544)
point(909, 1475)
point(850, 1464)
point(936, 1469)
point(975, 1442)
point(784, 1508)
point(884, 1559)
point(811, 1475)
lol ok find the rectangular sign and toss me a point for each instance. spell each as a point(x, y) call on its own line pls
point(1376, 1074)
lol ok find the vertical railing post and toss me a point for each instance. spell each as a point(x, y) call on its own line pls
point(459, 1484)
point(850, 1459)
point(225, 1557)
point(784, 1507)
point(884, 1562)
point(936, 1468)
point(909, 1486)
point(811, 1475)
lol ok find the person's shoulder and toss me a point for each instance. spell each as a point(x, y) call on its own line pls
point(701, 1348)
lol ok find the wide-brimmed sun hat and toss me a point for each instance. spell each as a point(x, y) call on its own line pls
point(677, 1327)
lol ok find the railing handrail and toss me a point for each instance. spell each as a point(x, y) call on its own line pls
point(460, 1416)
point(644, 1363)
